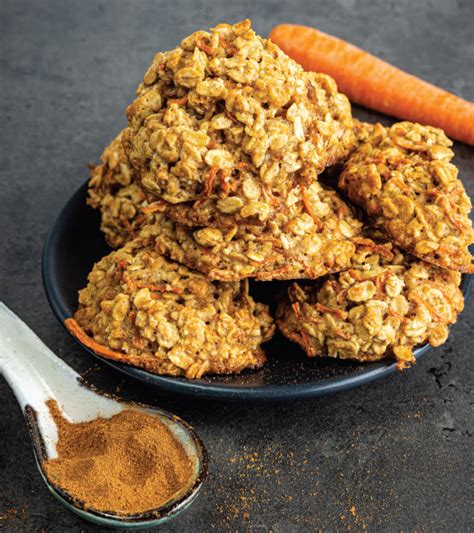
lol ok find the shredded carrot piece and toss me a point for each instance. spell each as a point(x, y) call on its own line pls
point(378, 248)
point(230, 49)
point(433, 192)
point(153, 207)
point(341, 296)
point(241, 165)
point(446, 250)
point(393, 313)
point(434, 314)
point(304, 335)
point(211, 176)
point(453, 217)
point(178, 101)
point(309, 210)
point(224, 181)
point(342, 212)
point(289, 225)
point(403, 186)
point(155, 295)
point(73, 327)
point(208, 184)
point(356, 274)
point(380, 281)
point(205, 47)
point(345, 335)
point(131, 286)
point(275, 242)
point(272, 200)
point(296, 309)
point(279, 271)
point(212, 144)
point(376, 84)
point(138, 341)
point(325, 309)
point(137, 360)
point(316, 319)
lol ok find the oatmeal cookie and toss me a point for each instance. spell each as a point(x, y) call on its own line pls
point(206, 213)
point(226, 119)
point(147, 311)
point(316, 240)
point(114, 192)
point(403, 178)
point(384, 306)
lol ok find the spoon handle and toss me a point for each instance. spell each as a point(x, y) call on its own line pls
point(31, 369)
point(36, 374)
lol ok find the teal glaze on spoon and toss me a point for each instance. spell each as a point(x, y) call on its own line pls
point(36, 375)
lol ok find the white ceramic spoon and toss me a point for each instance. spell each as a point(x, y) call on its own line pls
point(36, 375)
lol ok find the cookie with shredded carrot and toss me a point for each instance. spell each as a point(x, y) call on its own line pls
point(208, 211)
point(315, 240)
point(147, 311)
point(383, 307)
point(205, 213)
point(114, 192)
point(403, 178)
point(229, 123)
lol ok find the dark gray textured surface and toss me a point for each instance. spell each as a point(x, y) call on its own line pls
point(390, 456)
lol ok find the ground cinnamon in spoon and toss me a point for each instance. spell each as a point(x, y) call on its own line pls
point(125, 464)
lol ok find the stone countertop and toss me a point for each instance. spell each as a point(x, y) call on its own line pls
point(392, 455)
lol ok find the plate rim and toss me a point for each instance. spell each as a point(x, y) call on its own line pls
point(211, 390)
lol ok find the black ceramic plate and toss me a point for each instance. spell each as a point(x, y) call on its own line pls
point(75, 243)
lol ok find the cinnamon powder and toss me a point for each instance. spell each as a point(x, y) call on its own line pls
point(129, 463)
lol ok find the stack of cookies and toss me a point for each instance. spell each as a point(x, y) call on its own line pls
point(217, 179)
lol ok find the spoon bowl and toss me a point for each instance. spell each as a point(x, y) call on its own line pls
point(37, 375)
point(154, 517)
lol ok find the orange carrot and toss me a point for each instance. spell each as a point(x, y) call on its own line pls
point(371, 82)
